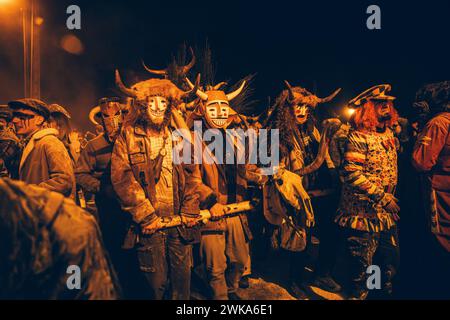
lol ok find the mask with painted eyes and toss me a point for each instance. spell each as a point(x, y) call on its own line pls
point(156, 109)
point(216, 113)
point(301, 113)
point(111, 114)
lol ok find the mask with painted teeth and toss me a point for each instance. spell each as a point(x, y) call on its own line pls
point(217, 114)
point(156, 109)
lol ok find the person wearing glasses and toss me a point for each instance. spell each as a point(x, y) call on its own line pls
point(44, 161)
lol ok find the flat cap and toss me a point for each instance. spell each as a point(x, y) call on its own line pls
point(38, 106)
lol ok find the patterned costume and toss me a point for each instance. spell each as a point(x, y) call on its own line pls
point(369, 169)
point(367, 210)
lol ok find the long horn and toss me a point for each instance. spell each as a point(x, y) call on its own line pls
point(198, 92)
point(330, 97)
point(193, 89)
point(92, 114)
point(291, 93)
point(235, 93)
point(217, 86)
point(122, 87)
point(186, 68)
point(331, 126)
point(162, 72)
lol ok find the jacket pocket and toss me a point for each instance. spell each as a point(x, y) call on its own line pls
point(146, 258)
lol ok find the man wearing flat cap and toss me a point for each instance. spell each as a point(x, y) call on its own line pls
point(44, 161)
point(368, 210)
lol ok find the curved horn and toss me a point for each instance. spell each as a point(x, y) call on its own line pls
point(193, 89)
point(235, 93)
point(291, 93)
point(330, 97)
point(162, 72)
point(198, 92)
point(331, 126)
point(186, 68)
point(92, 114)
point(217, 86)
point(122, 87)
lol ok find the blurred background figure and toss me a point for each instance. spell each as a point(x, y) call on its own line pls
point(431, 157)
point(42, 234)
point(60, 120)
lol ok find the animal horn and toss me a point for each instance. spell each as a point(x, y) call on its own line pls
point(217, 86)
point(198, 92)
point(291, 93)
point(331, 126)
point(92, 114)
point(186, 68)
point(330, 97)
point(162, 72)
point(122, 87)
point(235, 93)
point(194, 88)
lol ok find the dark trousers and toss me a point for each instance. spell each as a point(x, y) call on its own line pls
point(363, 249)
point(166, 262)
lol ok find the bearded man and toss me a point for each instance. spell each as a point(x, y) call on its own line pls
point(44, 161)
point(431, 157)
point(300, 142)
point(368, 210)
point(151, 188)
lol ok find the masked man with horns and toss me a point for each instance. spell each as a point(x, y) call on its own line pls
point(93, 175)
point(287, 203)
point(368, 209)
point(224, 241)
point(152, 188)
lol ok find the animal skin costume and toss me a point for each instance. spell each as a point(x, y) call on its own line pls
point(150, 187)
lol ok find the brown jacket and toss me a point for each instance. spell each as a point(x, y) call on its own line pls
point(46, 163)
point(130, 165)
point(211, 186)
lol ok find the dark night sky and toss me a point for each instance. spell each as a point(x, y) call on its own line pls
point(316, 42)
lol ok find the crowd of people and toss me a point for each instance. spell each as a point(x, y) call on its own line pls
point(116, 204)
